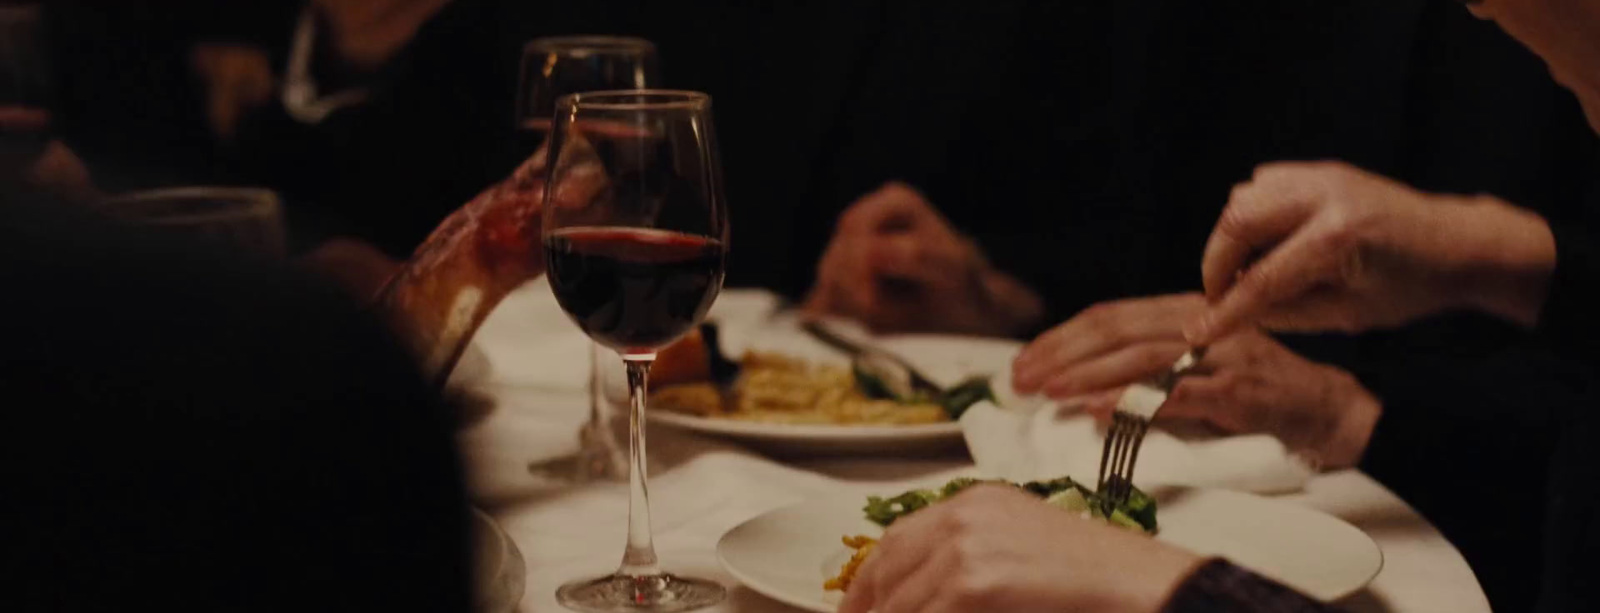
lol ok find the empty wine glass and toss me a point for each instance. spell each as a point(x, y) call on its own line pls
point(553, 67)
point(635, 233)
point(559, 65)
point(246, 219)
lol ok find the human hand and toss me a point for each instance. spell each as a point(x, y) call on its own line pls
point(1246, 383)
point(896, 264)
point(1343, 249)
point(994, 548)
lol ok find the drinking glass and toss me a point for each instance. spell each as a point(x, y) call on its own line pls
point(556, 66)
point(553, 67)
point(243, 218)
point(635, 231)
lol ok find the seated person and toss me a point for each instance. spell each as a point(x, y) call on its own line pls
point(1123, 129)
point(193, 430)
point(1300, 247)
point(1096, 186)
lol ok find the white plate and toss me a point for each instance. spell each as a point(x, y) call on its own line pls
point(786, 554)
point(945, 359)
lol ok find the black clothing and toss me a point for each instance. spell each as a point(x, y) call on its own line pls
point(190, 430)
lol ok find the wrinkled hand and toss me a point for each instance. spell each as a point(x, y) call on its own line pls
point(1247, 383)
point(993, 548)
point(895, 264)
point(366, 33)
point(1343, 249)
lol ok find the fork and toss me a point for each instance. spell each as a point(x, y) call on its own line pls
point(1129, 423)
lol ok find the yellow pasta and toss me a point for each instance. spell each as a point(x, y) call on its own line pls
point(774, 388)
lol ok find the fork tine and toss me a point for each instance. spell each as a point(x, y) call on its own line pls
point(1130, 437)
point(1130, 433)
point(1119, 453)
point(1116, 464)
point(1118, 456)
point(1105, 452)
point(1133, 458)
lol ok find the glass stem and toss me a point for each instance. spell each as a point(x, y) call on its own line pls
point(640, 558)
point(597, 387)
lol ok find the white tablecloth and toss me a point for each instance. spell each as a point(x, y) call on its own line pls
point(701, 487)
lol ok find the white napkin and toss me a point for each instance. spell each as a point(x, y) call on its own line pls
point(1023, 446)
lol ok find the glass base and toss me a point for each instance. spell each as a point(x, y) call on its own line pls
point(655, 594)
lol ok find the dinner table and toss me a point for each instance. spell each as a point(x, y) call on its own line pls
point(529, 367)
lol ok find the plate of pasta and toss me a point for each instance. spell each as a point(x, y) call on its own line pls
point(785, 394)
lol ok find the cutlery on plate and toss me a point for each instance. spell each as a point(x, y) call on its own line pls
point(900, 377)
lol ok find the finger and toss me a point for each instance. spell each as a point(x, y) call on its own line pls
point(927, 259)
point(822, 299)
point(1115, 369)
point(834, 285)
point(819, 301)
point(875, 214)
point(903, 548)
point(1101, 329)
point(916, 591)
point(1228, 400)
point(1319, 311)
point(859, 597)
point(894, 207)
point(857, 288)
point(1258, 216)
point(1303, 262)
point(902, 257)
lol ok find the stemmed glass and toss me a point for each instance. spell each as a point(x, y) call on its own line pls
point(553, 67)
point(635, 232)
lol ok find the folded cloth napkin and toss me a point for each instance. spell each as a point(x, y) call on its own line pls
point(1024, 445)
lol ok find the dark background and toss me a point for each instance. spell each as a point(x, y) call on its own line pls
point(1087, 146)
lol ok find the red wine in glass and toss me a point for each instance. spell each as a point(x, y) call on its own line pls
point(635, 230)
point(634, 289)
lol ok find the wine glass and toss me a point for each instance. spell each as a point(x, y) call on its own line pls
point(635, 231)
point(246, 219)
point(555, 66)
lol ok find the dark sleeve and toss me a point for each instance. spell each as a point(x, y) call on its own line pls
point(1467, 399)
point(196, 432)
point(435, 130)
point(1568, 320)
point(1220, 587)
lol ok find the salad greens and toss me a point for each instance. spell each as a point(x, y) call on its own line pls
point(1139, 513)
